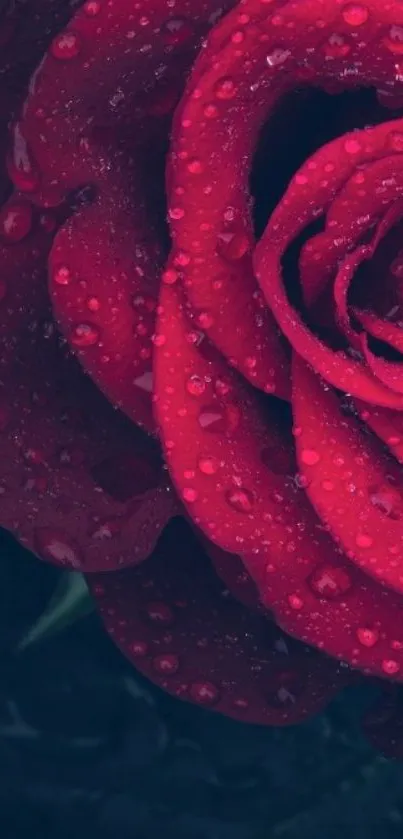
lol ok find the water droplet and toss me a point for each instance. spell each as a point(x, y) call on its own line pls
point(170, 276)
point(159, 612)
point(65, 46)
point(204, 693)
point(277, 57)
point(363, 540)
point(177, 31)
point(167, 664)
point(15, 221)
point(240, 499)
point(55, 546)
point(93, 304)
point(127, 474)
point(92, 8)
point(387, 500)
point(204, 319)
point(84, 335)
point(352, 146)
point(62, 275)
point(208, 465)
point(390, 667)
point(310, 457)
point(232, 245)
point(196, 386)
point(336, 46)
point(355, 14)
point(190, 495)
point(225, 88)
point(367, 637)
point(329, 582)
point(139, 648)
point(194, 166)
point(296, 602)
point(394, 40)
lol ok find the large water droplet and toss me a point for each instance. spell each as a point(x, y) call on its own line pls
point(240, 499)
point(329, 582)
point(394, 40)
point(225, 88)
point(367, 637)
point(355, 14)
point(309, 457)
point(196, 386)
point(177, 31)
point(84, 335)
point(65, 46)
point(204, 693)
point(62, 275)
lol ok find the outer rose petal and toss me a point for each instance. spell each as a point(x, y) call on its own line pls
point(106, 62)
point(356, 490)
point(169, 616)
point(79, 484)
point(208, 417)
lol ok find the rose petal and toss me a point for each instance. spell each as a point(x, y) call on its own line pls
point(172, 620)
point(315, 593)
point(103, 63)
point(355, 489)
point(79, 484)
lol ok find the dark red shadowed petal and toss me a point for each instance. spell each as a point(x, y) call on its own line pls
point(79, 484)
point(174, 622)
point(103, 272)
point(355, 489)
point(231, 570)
point(245, 507)
point(106, 63)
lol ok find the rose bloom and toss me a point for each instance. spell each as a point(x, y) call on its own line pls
point(201, 303)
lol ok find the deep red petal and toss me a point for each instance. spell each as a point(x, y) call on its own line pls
point(172, 619)
point(103, 64)
point(241, 504)
point(387, 425)
point(355, 489)
point(79, 484)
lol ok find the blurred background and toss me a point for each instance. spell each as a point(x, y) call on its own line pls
point(90, 749)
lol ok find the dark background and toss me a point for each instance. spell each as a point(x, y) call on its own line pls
point(90, 749)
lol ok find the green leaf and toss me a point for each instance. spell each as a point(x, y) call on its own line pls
point(69, 602)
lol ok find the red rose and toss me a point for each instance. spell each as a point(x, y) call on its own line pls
point(264, 362)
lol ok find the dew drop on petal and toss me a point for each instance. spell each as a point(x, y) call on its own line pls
point(204, 693)
point(363, 540)
point(310, 457)
point(329, 582)
point(208, 465)
point(62, 275)
point(196, 386)
point(167, 664)
point(240, 499)
point(84, 335)
point(225, 88)
point(390, 666)
point(367, 637)
point(65, 46)
point(355, 14)
point(160, 613)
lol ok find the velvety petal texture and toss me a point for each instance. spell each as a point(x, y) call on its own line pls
point(201, 388)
